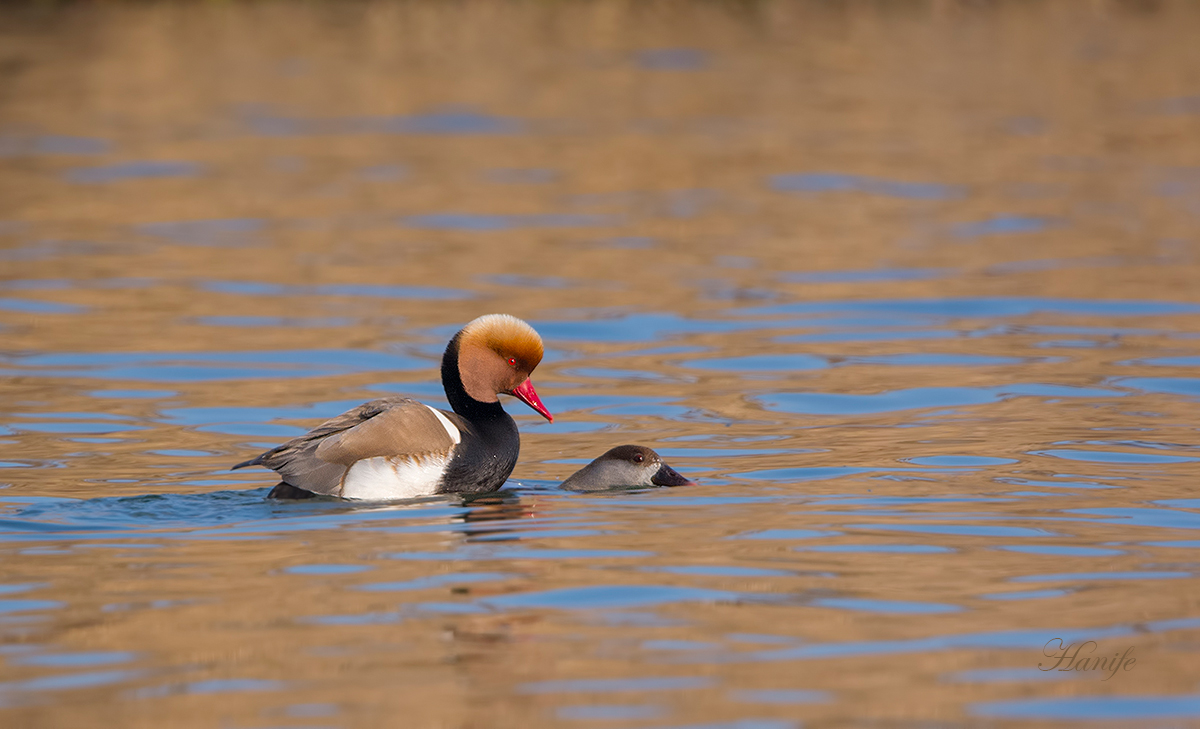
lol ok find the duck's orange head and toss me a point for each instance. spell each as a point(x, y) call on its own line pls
point(496, 355)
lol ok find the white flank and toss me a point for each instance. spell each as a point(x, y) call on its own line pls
point(450, 429)
point(385, 478)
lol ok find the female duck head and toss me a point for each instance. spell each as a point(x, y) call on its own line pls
point(627, 466)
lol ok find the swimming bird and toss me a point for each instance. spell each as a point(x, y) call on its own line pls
point(397, 448)
point(625, 466)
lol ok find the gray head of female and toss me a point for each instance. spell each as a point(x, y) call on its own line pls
point(627, 466)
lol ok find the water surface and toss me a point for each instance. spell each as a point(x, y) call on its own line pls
point(910, 291)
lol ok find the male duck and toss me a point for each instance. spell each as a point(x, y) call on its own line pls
point(396, 448)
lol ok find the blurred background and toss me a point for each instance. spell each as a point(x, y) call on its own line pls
point(909, 288)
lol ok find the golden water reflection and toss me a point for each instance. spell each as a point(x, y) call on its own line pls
point(909, 289)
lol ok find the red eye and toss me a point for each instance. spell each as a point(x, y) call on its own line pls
point(638, 458)
point(512, 361)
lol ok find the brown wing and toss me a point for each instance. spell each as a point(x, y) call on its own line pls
point(317, 461)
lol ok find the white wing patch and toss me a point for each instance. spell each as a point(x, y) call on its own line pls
point(384, 478)
point(450, 429)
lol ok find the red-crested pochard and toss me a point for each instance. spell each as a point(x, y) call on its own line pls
point(627, 466)
point(396, 448)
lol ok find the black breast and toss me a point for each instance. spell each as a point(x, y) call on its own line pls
point(485, 458)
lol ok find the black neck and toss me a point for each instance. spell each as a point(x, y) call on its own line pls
point(490, 445)
point(460, 401)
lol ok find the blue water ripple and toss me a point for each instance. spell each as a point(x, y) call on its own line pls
point(432, 581)
point(964, 530)
point(1186, 386)
point(34, 306)
point(15, 145)
point(1143, 517)
point(449, 121)
point(761, 362)
point(595, 712)
point(781, 696)
point(824, 403)
point(979, 308)
point(326, 569)
point(1093, 708)
point(378, 291)
point(1002, 225)
point(1059, 550)
point(960, 461)
point(1140, 459)
point(133, 171)
point(818, 182)
point(877, 549)
point(205, 366)
point(886, 607)
point(84, 658)
point(785, 534)
point(478, 222)
point(227, 232)
point(867, 275)
point(672, 59)
point(593, 597)
point(64, 682)
point(1026, 595)
point(1095, 576)
point(617, 685)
